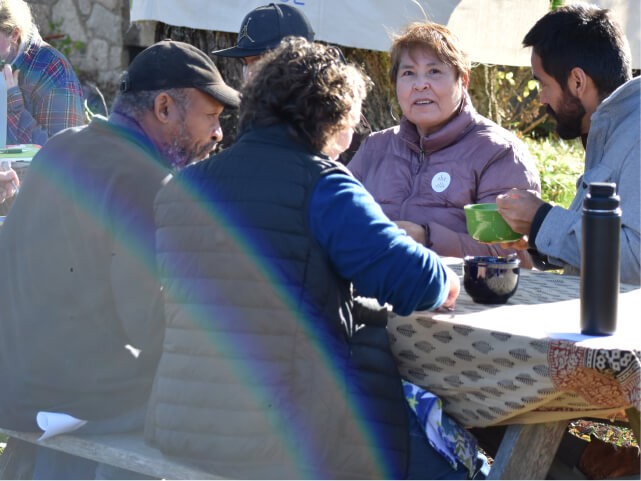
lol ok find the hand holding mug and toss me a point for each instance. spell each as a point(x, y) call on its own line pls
point(518, 207)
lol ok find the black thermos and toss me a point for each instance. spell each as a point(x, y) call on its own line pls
point(600, 253)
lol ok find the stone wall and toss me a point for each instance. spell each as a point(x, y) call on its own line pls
point(107, 39)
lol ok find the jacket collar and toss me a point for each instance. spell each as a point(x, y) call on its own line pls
point(619, 99)
point(279, 134)
point(30, 49)
point(610, 116)
point(128, 128)
point(451, 132)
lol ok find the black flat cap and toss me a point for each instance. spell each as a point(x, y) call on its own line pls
point(169, 64)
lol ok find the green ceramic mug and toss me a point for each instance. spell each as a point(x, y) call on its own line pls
point(485, 224)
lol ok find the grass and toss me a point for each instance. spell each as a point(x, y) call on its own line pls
point(560, 163)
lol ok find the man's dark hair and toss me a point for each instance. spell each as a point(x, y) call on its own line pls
point(584, 36)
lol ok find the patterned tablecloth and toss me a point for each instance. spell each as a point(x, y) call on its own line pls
point(524, 361)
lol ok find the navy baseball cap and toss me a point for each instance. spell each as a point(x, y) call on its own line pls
point(264, 27)
point(169, 64)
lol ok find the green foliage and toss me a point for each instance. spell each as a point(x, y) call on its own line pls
point(554, 4)
point(560, 163)
point(609, 433)
point(516, 94)
point(380, 108)
point(515, 100)
point(61, 41)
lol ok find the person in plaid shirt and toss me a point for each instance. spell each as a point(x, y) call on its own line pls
point(44, 95)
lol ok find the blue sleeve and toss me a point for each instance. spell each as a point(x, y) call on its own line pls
point(367, 248)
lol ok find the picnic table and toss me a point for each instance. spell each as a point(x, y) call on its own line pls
point(524, 364)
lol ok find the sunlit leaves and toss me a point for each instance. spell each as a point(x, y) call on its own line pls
point(560, 163)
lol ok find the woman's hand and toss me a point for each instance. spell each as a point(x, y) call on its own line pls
point(519, 245)
point(415, 231)
point(10, 77)
point(455, 289)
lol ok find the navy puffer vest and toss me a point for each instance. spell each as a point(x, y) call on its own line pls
point(263, 373)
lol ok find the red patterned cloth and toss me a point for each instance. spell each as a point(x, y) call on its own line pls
point(607, 379)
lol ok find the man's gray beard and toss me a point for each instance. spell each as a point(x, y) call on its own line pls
point(175, 154)
point(178, 157)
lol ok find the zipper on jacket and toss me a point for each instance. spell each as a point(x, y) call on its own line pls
point(421, 158)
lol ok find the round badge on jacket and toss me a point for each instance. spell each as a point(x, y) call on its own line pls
point(441, 181)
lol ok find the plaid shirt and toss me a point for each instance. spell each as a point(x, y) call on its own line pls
point(48, 97)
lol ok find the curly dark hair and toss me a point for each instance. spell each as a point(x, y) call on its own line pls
point(307, 86)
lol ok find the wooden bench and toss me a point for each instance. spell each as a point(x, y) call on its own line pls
point(128, 451)
point(526, 452)
point(513, 461)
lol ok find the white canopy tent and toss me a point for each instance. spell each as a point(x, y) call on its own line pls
point(490, 31)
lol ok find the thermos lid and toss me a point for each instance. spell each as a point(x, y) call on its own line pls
point(601, 197)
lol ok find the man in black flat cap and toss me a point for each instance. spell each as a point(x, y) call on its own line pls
point(82, 322)
point(263, 29)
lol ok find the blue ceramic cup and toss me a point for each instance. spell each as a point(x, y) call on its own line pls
point(490, 280)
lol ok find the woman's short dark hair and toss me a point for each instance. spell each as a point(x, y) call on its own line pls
point(307, 86)
point(429, 36)
point(584, 36)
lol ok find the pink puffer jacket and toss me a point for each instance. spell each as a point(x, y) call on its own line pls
point(427, 180)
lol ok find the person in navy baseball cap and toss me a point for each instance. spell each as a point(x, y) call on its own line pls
point(263, 29)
